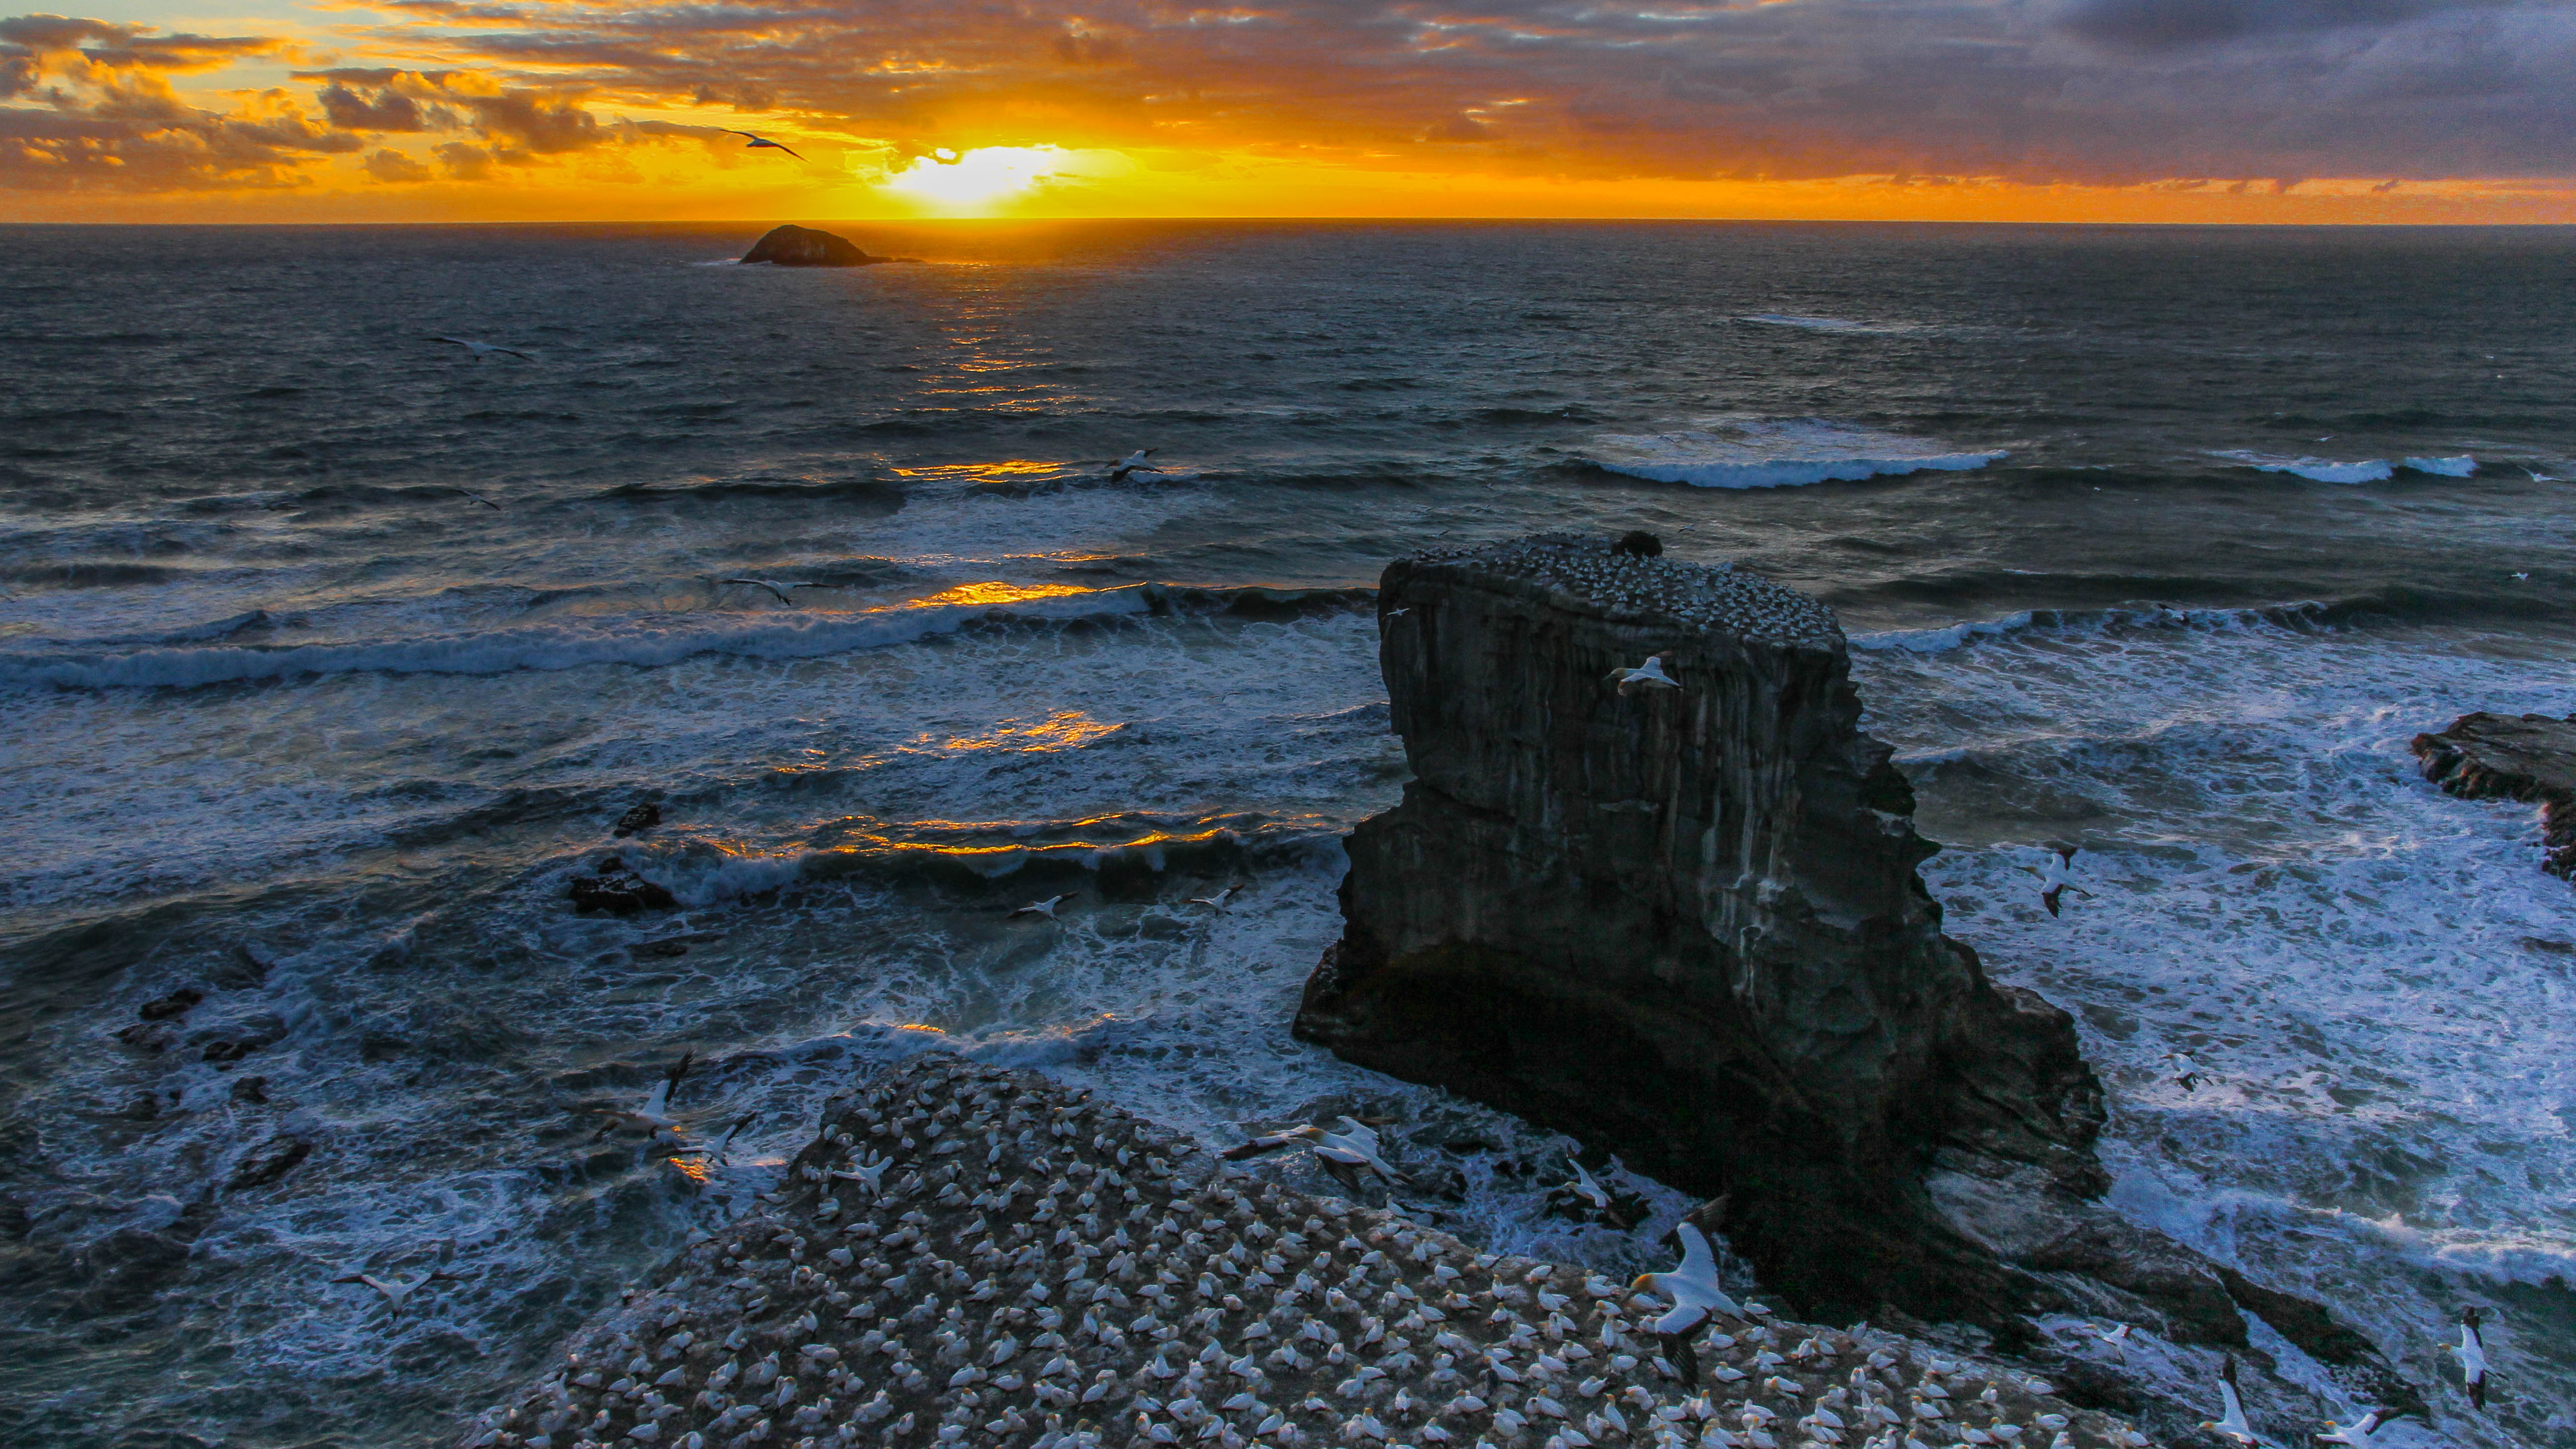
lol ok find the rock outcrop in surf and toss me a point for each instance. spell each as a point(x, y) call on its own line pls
point(2530, 757)
point(803, 246)
point(1685, 925)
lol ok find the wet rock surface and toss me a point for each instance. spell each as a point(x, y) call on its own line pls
point(972, 1254)
point(2530, 757)
point(617, 889)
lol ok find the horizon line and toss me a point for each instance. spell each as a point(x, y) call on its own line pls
point(1380, 220)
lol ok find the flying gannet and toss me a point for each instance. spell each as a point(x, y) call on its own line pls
point(477, 497)
point(2117, 1340)
point(780, 590)
point(484, 349)
point(1343, 1153)
point(2356, 1435)
point(1218, 900)
point(2057, 877)
point(1133, 464)
point(1697, 1299)
point(1649, 675)
point(2185, 1071)
point(395, 1290)
point(654, 1117)
point(2230, 1422)
point(2472, 1349)
point(759, 142)
point(1044, 908)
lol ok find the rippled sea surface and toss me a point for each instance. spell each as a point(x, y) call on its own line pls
point(329, 654)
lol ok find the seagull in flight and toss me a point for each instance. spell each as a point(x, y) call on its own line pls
point(759, 141)
point(2057, 877)
point(654, 1118)
point(2472, 1349)
point(482, 350)
point(779, 589)
point(477, 497)
point(395, 1290)
point(1133, 463)
point(2357, 1433)
point(1697, 1300)
point(1218, 900)
point(1044, 908)
point(1649, 675)
point(2230, 1422)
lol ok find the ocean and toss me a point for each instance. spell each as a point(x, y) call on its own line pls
point(330, 653)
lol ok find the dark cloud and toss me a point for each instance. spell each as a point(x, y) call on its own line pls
point(384, 110)
point(2168, 24)
point(395, 168)
point(464, 162)
point(108, 120)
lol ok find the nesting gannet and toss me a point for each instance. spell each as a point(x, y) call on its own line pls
point(477, 497)
point(1133, 464)
point(780, 590)
point(2472, 1349)
point(2117, 1340)
point(395, 1290)
point(2357, 1434)
point(758, 142)
point(1218, 900)
point(1697, 1299)
point(2185, 1071)
point(654, 1117)
point(1649, 675)
point(2230, 1422)
point(2057, 877)
point(483, 349)
point(1044, 908)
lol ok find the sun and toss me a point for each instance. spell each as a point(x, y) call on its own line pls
point(978, 178)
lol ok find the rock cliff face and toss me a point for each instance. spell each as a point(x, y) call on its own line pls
point(1685, 923)
point(799, 246)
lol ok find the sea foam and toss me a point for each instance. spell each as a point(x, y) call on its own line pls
point(1778, 453)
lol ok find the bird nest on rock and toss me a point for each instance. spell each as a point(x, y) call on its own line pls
point(975, 1256)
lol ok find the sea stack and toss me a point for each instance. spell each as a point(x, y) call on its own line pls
point(802, 246)
point(1685, 924)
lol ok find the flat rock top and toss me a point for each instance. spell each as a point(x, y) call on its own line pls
point(976, 1257)
point(1591, 570)
point(2525, 757)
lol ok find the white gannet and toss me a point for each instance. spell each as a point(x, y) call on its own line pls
point(1343, 1153)
point(780, 590)
point(654, 1117)
point(1649, 675)
point(758, 142)
point(1585, 1188)
point(395, 1290)
point(1218, 900)
point(1044, 908)
point(2356, 1435)
point(1697, 1299)
point(869, 1170)
point(716, 1151)
point(477, 497)
point(2472, 1349)
point(2230, 1422)
point(1399, 613)
point(1134, 463)
point(2117, 1340)
point(482, 349)
point(2057, 877)
point(2185, 1071)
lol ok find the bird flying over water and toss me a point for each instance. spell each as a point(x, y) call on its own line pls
point(477, 497)
point(1649, 675)
point(2357, 1434)
point(2472, 1349)
point(779, 589)
point(484, 349)
point(654, 1117)
point(395, 1290)
point(1697, 1300)
point(2230, 1422)
point(2057, 877)
point(2186, 1071)
point(759, 141)
point(1133, 463)
point(1343, 1153)
point(1044, 908)
point(1218, 900)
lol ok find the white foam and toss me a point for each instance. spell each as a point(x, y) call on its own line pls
point(1811, 324)
point(2460, 467)
point(2319, 470)
point(1778, 453)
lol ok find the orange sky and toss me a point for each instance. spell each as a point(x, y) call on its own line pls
point(2278, 111)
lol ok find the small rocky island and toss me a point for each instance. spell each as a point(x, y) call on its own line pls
point(2528, 757)
point(804, 246)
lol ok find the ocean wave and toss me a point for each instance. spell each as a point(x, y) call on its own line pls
point(1810, 324)
point(2304, 614)
point(1779, 453)
point(2365, 470)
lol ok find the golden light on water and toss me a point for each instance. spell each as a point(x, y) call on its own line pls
point(988, 595)
point(1063, 730)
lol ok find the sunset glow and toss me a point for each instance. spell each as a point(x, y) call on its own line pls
point(2114, 110)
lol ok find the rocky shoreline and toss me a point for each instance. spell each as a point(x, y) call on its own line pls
point(2530, 757)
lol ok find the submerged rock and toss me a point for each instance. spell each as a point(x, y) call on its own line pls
point(641, 818)
point(616, 888)
point(802, 246)
point(2529, 757)
point(967, 1254)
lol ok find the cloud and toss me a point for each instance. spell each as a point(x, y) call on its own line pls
point(464, 162)
point(395, 168)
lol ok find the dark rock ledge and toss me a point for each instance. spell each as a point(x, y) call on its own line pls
point(1686, 926)
point(2529, 757)
point(802, 246)
point(1045, 1272)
